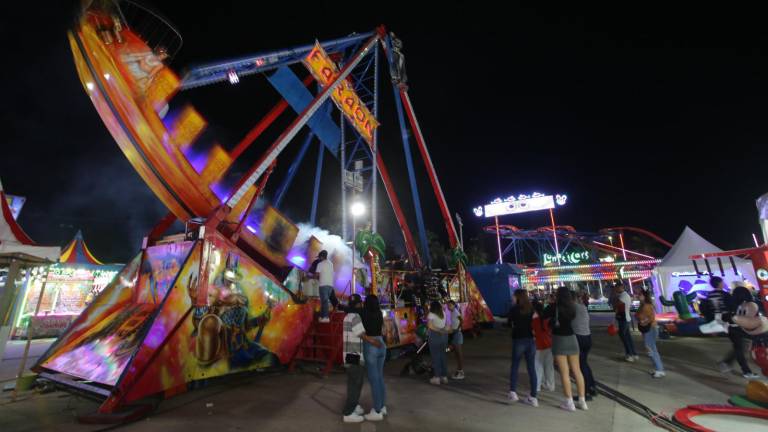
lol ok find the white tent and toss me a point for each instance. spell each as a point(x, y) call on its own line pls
point(676, 270)
point(13, 239)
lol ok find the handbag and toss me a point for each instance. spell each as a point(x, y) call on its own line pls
point(352, 359)
point(612, 330)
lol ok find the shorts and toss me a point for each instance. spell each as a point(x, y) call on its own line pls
point(565, 345)
point(457, 338)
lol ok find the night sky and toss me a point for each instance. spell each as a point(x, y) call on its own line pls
point(647, 117)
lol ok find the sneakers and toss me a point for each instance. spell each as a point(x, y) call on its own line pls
point(323, 320)
point(434, 380)
point(459, 375)
point(636, 357)
point(530, 400)
point(630, 359)
point(724, 367)
point(581, 404)
point(550, 388)
point(659, 374)
point(383, 410)
point(512, 397)
point(587, 398)
point(359, 410)
point(568, 405)
point(374, 416)
point(443, 380)
point(751, 376)
point(354, 418)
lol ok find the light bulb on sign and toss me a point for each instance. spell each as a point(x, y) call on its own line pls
point(478, 211)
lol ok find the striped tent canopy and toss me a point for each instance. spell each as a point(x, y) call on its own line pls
point(77, 252)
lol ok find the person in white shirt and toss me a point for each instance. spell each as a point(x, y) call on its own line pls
point(622, 305)
point(325, 275)
point(438, 342)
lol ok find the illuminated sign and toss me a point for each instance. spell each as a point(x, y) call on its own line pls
point(573, 257)
point(324, 70)
point(520, 204)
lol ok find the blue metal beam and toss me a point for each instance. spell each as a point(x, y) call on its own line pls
point(292, 172)
point(217, 72)
point(318, 175)
point(409, 163)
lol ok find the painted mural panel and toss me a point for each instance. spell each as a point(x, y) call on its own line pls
point(246, 321)
point(159, 269)
point(100, 342)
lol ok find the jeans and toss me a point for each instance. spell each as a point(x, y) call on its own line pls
point(523, 347)
point(374, 364)
point(585, 344)
point(736, 335)
point(626, 338)
point(438, 342)
point(355, 378)
point(325, 300)
point(649, 339)
point(545, 370)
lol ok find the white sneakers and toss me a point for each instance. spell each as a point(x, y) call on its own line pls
point(658, 374)
point(512, 397)
point(568, 405)
point(631, 358)
point(353, 418)
point(581, 404)
point(434, 380)
point(323, 320)
point(459, 375)
point(530, 400)
point(358, 417)
point(443, 380)
point(374, 416)
point(751, 376)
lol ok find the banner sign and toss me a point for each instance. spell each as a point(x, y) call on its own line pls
point(325, 70)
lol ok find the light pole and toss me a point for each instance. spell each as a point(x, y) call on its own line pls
point(357, 209)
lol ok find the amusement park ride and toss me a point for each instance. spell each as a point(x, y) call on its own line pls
point(214, 301)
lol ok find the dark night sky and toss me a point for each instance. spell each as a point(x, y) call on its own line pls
point(643, 116)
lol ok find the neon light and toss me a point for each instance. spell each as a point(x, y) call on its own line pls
point(576, 257)
point(521, 204)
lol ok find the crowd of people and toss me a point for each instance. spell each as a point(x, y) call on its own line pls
point(551, 333)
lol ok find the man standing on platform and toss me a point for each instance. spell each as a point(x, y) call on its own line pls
point(324, 274)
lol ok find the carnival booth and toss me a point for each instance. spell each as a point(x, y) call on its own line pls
point(676, 271)
point(22, 261)
point(70, 285)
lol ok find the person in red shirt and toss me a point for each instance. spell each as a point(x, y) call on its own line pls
point(542, 334)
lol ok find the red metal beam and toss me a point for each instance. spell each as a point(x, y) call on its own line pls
point(641, 231)
point(734, 252)
point(410, 244)
point(263, 124)
point(447, 218)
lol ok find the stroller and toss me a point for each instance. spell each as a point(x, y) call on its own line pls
point(416, 361)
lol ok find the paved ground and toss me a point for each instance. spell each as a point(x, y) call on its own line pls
point(303, 402)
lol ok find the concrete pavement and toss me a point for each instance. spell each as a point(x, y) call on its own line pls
point(304, 402)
